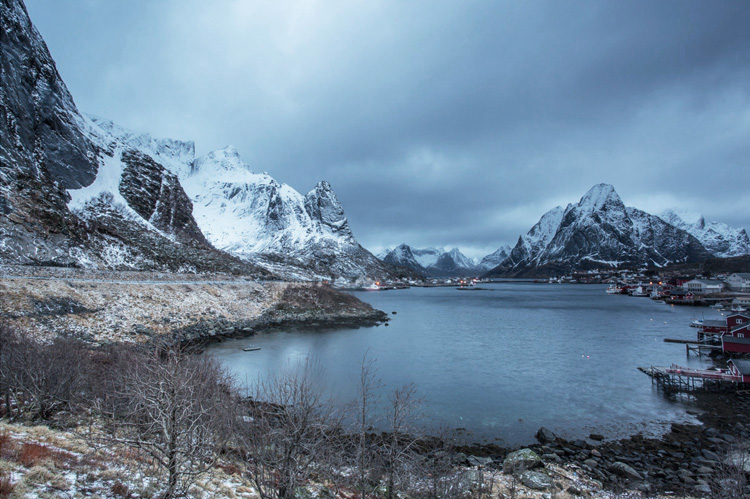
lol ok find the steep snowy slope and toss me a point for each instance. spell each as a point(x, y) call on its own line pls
point(718, 238)
point(254, 217)
point(598, 231)
point(245, 214)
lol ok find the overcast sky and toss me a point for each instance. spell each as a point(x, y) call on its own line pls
point(438, 122)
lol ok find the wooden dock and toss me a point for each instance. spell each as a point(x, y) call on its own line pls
point(681, 379)
point(696, 347)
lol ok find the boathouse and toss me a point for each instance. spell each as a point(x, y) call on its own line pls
point(740, 368)
point(735, 344)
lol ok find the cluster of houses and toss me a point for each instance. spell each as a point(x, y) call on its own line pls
point(739, 282)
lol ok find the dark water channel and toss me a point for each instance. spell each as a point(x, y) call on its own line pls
point(501, 363)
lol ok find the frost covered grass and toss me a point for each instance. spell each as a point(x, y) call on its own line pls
point(39, 462)
point(109, 309)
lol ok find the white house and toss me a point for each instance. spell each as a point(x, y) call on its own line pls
point(704, 286)
point(739, 282)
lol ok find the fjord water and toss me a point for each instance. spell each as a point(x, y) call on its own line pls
point(504, 361)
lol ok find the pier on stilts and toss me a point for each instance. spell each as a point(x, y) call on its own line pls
point(683, 379)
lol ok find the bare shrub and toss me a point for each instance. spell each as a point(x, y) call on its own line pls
point(120, 490)
point(172, 407)
point(441, 478)
point(397, 453)
point(363, 418)
point(6, 445)
point(287, 430)
point(41, 378)
point(729, 479)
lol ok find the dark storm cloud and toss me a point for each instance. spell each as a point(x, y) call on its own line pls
point(438, 123)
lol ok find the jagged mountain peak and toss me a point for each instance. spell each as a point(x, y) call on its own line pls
point(598, 231)
point(323, 206)
point(434, 262)
point(495, 258)
point(718, 238)
point(599, 197)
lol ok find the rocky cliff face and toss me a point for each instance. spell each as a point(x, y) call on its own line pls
point(157, 196)
point(40, 129)
point(47, 148)
point(598, 231)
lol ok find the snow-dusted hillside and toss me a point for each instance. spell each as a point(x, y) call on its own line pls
point(718, 238)
point(598, 231)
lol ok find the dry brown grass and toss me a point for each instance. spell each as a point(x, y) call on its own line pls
point(6, 487)
point(34, 454)
point(6, 445)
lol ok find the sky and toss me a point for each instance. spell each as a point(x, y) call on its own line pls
point(438, 123)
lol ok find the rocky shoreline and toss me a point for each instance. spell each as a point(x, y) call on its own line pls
point(688, 461)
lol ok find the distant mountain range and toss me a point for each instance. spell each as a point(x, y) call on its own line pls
point(437, 262)
point(601, 232)
point(82, 191)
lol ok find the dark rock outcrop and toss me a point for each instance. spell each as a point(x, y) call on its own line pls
point(157, 196)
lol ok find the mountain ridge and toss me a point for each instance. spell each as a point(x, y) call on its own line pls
point(598, 231)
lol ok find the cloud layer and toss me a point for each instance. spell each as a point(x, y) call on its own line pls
point(437, 122)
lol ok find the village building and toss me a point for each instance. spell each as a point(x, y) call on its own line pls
point(739, 282)
point(704, 286)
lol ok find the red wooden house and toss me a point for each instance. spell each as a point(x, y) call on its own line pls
point(740, 368)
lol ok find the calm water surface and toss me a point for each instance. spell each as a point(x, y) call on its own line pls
point(501, 363)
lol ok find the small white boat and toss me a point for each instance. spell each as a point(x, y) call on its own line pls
point(251, 348)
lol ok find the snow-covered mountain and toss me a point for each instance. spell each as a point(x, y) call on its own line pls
point(248, 215)
point(598, 231)
point(494, 259)
point(254, 217)
point(432, 262)
point(718, 238)
point(78, 190)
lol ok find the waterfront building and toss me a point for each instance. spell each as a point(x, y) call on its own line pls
point(704, 286)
